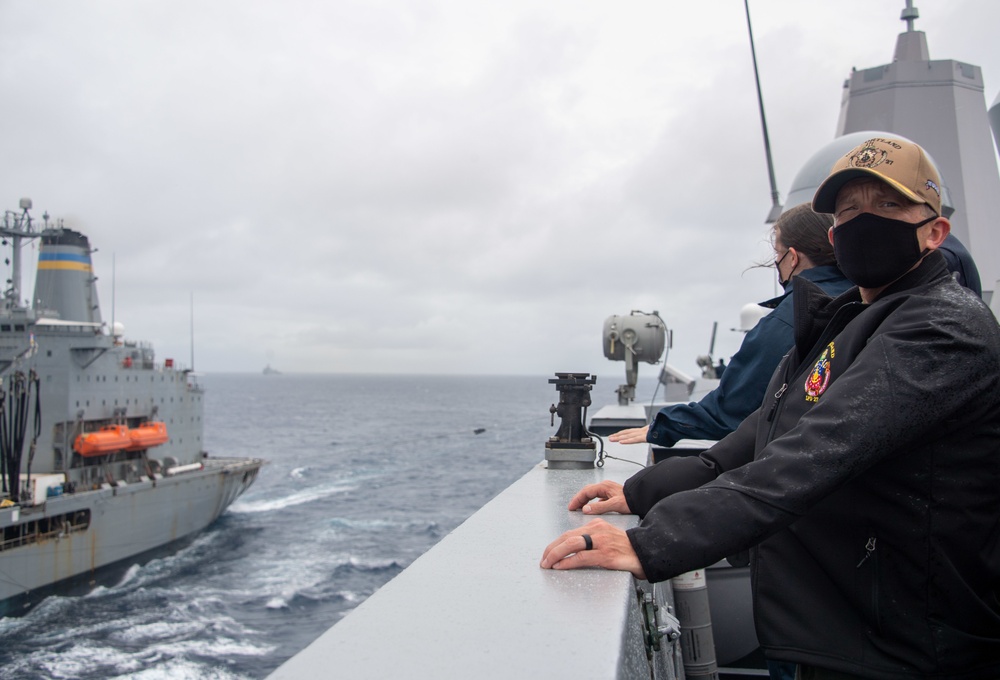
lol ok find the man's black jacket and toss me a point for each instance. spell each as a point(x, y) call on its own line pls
point(868, 482)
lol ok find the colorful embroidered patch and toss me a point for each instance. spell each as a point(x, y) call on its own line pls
point(819, 378)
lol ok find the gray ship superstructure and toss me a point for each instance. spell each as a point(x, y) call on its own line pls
point(941, 105)
point(101, 446)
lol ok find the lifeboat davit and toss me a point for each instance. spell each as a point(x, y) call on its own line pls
point(108, 439)
point(147, 435)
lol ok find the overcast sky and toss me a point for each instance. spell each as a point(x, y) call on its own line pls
point(430, 186)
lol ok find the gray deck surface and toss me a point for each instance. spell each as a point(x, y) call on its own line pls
point(478, 605)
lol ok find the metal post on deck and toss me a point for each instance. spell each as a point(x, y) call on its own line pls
point(697, 642)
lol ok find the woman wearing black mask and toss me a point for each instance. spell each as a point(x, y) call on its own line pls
point(801, 247)
point(801, 242)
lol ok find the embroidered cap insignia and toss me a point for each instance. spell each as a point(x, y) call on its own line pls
point(869, 157)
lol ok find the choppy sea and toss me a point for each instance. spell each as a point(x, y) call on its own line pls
point(364, 474)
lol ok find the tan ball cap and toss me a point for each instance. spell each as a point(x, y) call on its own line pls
point(901, 164)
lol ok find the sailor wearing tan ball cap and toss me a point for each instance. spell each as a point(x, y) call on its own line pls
point(866, 483)
point(885, 196)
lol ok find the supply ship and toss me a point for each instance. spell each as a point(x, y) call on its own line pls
point(101, 450)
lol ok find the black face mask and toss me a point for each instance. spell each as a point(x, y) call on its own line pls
point(874, 251)
point(777, 266)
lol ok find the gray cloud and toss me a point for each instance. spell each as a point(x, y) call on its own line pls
point(426, 186)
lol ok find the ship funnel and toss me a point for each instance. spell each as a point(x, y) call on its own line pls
point(65, 283)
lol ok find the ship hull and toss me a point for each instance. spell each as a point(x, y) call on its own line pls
point(120, 523)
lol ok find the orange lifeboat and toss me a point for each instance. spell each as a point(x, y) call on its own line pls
point(147, 435)
point(106, 440)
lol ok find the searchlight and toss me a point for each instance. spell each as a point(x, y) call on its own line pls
point(634, 338)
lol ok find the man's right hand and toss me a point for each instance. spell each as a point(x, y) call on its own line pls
point(610, 499)
point(633, 435)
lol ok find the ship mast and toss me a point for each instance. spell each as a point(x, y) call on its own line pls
point(909, 14)
point(17, 227)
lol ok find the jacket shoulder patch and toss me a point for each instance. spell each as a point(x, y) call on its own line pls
point(819, 377)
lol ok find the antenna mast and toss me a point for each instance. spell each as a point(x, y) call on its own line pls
point(775, 212)
point(17, 227)
point(192, 331)
point(908, 14)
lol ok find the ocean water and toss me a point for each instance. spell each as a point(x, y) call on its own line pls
point(364, 474)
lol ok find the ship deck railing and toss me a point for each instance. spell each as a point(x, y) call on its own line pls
point(478, 604)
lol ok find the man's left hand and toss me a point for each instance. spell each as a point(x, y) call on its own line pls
point(611, 550)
